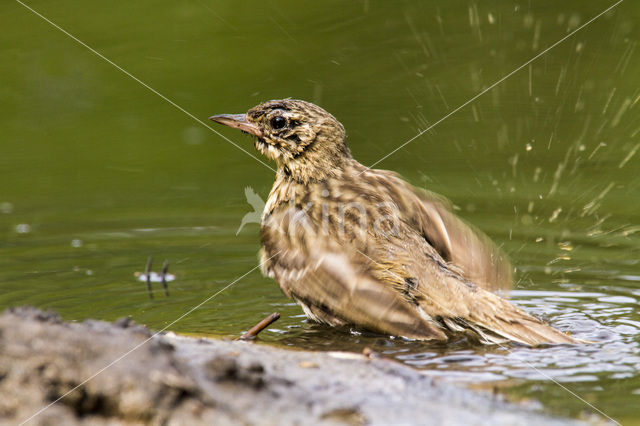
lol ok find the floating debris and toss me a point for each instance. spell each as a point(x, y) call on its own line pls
point(148, 276)
point(154, 277)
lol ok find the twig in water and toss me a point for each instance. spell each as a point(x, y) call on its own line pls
point(147, 272)
point(253, 332)
point(165, 268)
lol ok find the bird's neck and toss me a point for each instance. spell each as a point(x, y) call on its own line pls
point(315, 166)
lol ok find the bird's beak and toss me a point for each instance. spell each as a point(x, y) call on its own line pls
point(237, 121)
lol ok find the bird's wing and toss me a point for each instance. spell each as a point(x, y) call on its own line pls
point(459, 243)
point(332, 282)
point(451, 300)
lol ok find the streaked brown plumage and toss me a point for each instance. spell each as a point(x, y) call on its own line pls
point(356, 246)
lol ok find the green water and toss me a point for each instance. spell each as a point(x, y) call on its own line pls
point(98, 172)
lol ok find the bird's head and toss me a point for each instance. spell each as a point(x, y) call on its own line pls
point(304, 140)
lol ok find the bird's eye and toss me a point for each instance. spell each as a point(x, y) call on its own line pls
point(278, 122)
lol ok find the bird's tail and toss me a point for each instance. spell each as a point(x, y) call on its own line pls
point(507, 322)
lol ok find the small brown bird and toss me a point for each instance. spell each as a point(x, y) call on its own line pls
point(356, 246)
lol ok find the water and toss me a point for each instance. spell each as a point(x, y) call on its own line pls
point(98, 172)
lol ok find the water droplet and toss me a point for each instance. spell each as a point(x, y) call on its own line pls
point(555, 214)
point(23, 228)
point(536, 174)
point(6, 207)
point(76, 243)
point(528, 20)
point(526, 220)
point(574, 22)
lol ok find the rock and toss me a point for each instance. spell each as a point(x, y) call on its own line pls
point(53, 372)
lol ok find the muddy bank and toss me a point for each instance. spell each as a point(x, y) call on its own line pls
point(177, 380)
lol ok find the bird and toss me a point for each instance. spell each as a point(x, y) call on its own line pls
point(361, 247)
